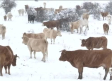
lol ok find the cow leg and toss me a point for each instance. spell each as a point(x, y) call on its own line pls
point(80, 70)
point(80, 30)
point(46, 54)
point(51, 40)
point(5, 69)
point(34, 54)
point(54, 41)
point(43, 59)
point(3, 36)
point(1, 70)
point(30, 53)
point(77, 30)
point(106, 72)
point(9, 69)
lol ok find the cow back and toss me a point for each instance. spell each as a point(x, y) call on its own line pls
point(96, 42)
point(89, 58)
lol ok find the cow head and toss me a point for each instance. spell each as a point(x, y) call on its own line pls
point(14, 60)
point(25, 40)
point(44, 24)
point(83, 42)
point(59, 33)
point(24, 34)
point(63, 56)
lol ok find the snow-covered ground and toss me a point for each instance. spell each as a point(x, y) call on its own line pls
point(53, 70)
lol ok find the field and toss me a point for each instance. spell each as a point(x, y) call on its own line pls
point(53, 70)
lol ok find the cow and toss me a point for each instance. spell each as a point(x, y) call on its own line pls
point(5, 17)
point(21, 12)
point(109, 18)
point(79, 24)
point(88, 58)
point(52, 34)
point(36, 45)
point(105, 28)
point(51, 24)
point(9, 16)
point(2, 31)
point(31, 18)
point(26, 7)
point(33, 35)
point(94, 42)
point(104, 14)
point(85, 16)
point(6, 58)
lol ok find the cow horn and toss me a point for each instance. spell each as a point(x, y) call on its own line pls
point(17, 56)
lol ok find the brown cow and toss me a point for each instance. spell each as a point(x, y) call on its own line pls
point(104, 14)
point(52, 24)
point(26, 7)
point(33, 35)
point(51, 33)
point(88, 58)
point(6, 58)
point(95, 42)
point(105, 28)
point(36, 45)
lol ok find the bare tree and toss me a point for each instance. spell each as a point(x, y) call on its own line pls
point(7, 5)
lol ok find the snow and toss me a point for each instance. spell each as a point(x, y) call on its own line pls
point(53, 70)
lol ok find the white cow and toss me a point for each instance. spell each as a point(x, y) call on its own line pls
point(79, 24)
point(51, 33)
point(109, 18)
point(21, 12)
point(9, 16)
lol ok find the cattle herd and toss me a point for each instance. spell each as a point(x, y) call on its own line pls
point(37, 42)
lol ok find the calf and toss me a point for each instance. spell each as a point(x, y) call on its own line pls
point(95, 42)
point(36, 45)
point(105, 28)
point(88, 58)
